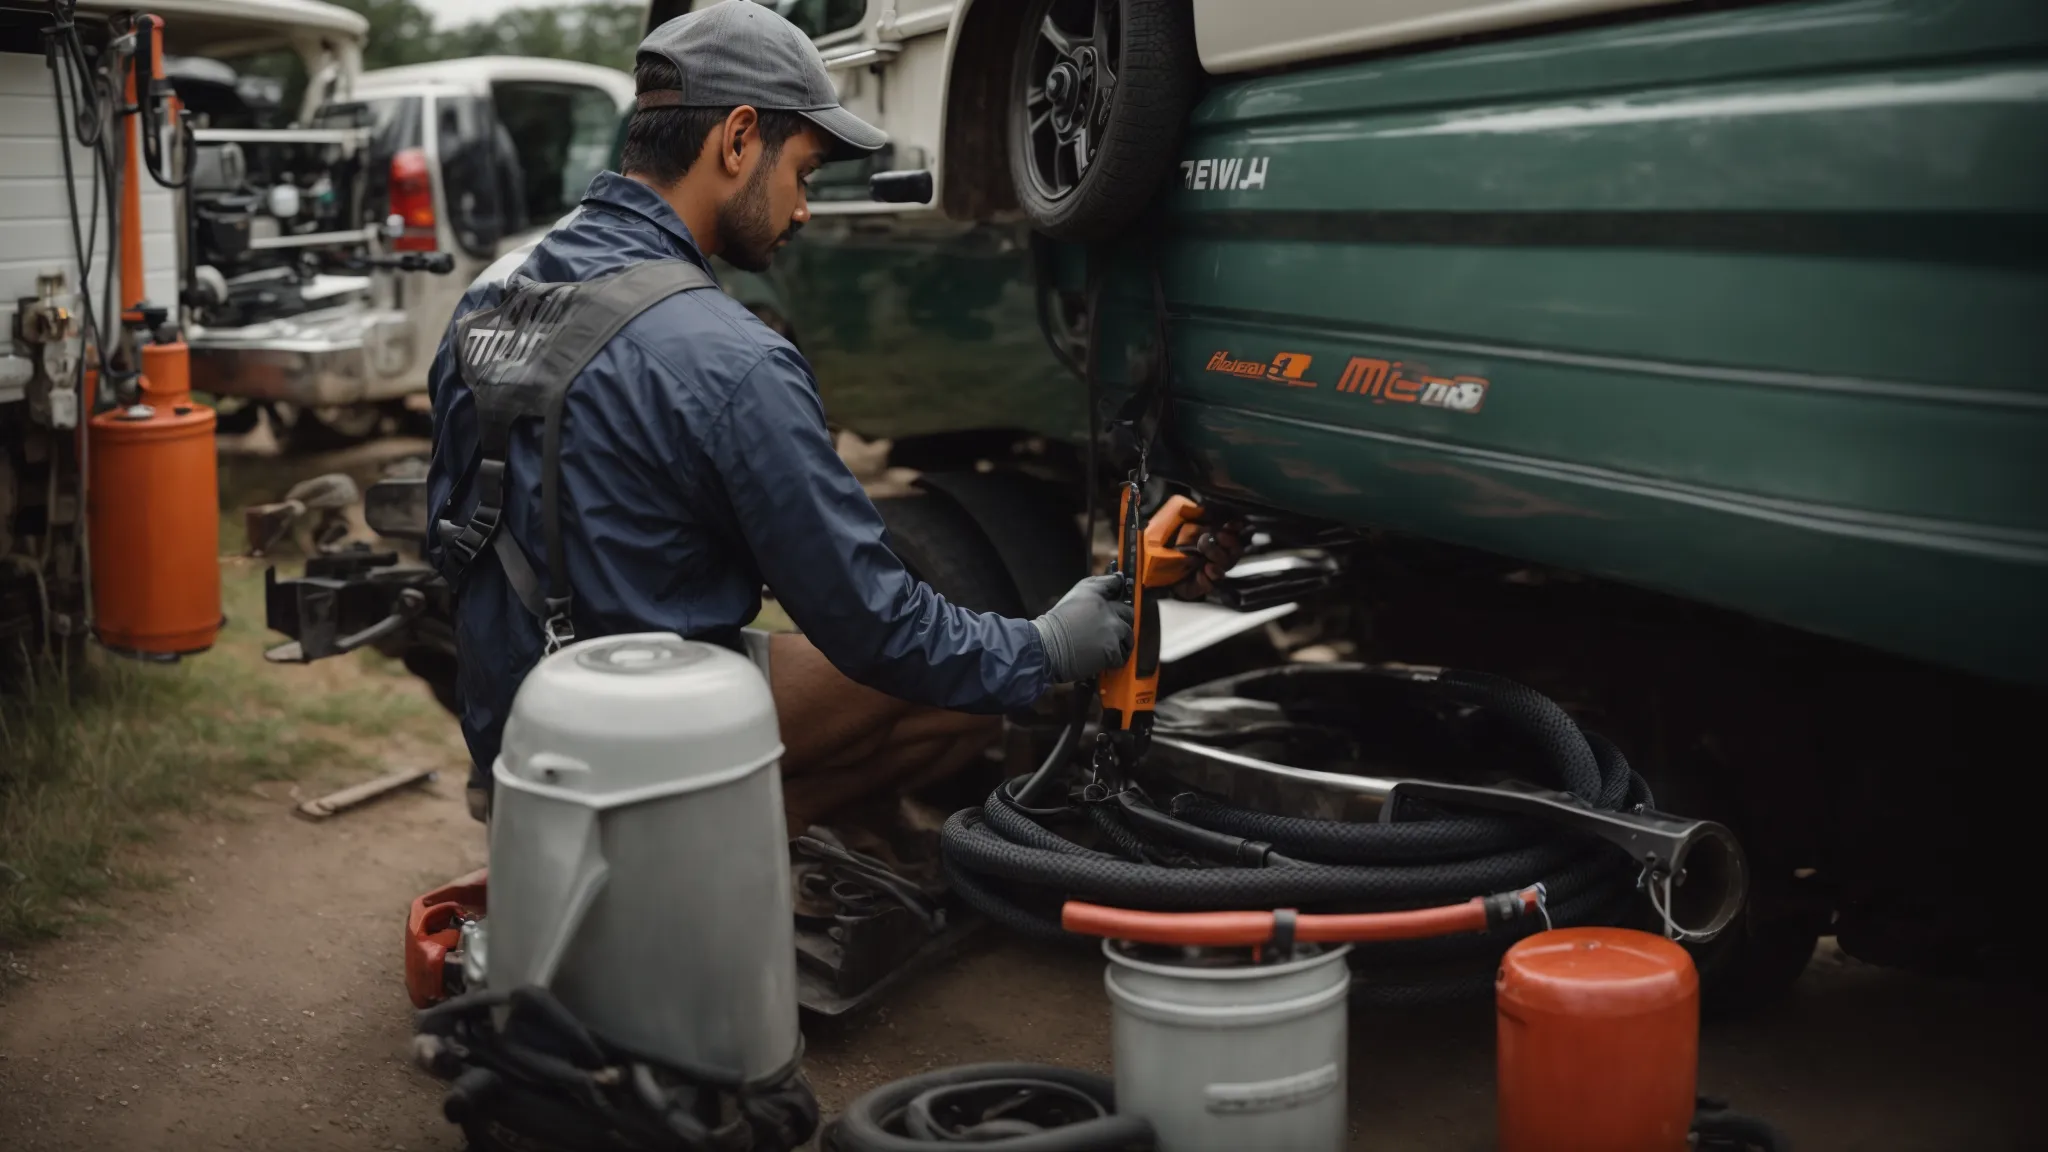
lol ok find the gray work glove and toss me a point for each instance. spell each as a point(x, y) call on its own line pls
point(1088, 631)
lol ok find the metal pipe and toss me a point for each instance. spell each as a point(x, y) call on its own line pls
point(1371, 787)
point(132, 287)
point(316, 239)
point(1698, 863)
point(347, 137)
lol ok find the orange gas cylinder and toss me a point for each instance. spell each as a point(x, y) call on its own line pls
point(155, 516)
point(1599, 1042)
point(154, 501)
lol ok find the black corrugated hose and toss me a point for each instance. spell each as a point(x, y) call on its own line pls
point(541, 1080)
point(1008, 863)
point(1006, 1107)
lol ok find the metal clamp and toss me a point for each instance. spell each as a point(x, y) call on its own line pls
point(556, 633)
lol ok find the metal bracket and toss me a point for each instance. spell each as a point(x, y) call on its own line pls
point(1264, 581)
point(875, 54)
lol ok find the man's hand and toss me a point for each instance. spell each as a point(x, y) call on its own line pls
point(1088, 631)
point(1220, 549)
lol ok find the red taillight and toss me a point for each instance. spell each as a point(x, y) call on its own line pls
point(412, 200)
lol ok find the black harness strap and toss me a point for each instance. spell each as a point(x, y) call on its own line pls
point(518, 360)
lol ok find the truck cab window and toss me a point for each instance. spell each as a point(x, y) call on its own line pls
point(561, 135)
point(821, 17)
point(479, 173)
point(394, 123)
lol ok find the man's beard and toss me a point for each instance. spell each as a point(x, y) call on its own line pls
point(746, 237)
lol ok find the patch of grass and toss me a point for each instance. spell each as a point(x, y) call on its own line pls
point(92, 757)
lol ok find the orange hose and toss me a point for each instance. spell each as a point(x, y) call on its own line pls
point(131, 190)
point(1414, 924)
point(1250, 929)
point(134, 287)
point(1211, 929)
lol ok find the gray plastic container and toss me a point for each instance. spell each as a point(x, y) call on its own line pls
point(1223, 1059)
point(638, 853)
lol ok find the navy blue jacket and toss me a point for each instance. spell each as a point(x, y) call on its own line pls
point(696, 466)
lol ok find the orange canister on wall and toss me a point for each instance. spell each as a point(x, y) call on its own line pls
point(154, 510)
point(153, 489)
point(1598, 1042)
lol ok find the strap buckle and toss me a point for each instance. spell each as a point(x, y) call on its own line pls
point(467, 541)
point(556, 632)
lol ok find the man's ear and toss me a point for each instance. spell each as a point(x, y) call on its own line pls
point(741, 126)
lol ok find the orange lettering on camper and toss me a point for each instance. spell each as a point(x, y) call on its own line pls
point(1288, 368)
point(1364, 376)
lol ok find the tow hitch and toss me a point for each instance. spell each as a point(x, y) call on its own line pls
point(357, 596)
point(345, 601)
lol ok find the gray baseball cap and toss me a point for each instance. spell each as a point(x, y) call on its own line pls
point(738, 53)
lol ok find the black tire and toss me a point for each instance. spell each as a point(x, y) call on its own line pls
point(328, 429)
point(874, 1122)
point(943, 547)
point(1138, 126)
point(1754, 963)
point(1029, 522)
point(1757, 958)
point(236, 418)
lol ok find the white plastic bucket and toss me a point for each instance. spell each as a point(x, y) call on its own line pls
point(1222, 1059)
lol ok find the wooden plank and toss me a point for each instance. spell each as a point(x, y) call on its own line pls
point(354, 795)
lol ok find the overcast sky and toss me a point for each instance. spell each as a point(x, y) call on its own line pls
point(449, 13)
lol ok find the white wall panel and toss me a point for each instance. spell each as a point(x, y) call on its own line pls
point(35, 221)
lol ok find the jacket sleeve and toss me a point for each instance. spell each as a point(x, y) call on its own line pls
point(819, 543)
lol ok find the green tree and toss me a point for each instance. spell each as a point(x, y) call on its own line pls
point(401, 32)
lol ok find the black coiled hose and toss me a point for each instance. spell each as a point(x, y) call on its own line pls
point(1001, 1107)
point(541, 1079)
point(1008, 864)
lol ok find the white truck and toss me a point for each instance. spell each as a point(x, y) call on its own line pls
point(487, 153)
point(265, 238)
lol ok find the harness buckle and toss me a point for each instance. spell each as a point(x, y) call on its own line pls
point(467, 541)
point(454, 540)
point(556, 633)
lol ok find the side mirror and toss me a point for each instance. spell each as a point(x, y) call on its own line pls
point(909, 186)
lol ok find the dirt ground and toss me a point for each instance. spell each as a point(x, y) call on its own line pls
point(258, 1005)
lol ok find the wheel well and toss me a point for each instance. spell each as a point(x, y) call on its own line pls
point(957, 450)
point(975, 154)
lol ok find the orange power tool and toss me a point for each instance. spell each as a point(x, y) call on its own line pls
point(1152, 558)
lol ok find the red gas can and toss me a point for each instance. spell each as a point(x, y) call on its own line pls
point(1599, 1042)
